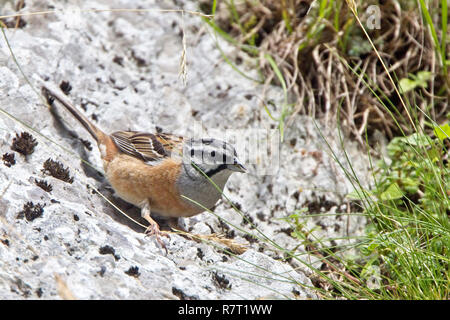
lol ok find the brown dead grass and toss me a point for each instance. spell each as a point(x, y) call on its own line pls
point(318, 79)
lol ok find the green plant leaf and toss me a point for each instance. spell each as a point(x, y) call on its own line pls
point(279, 75)
point(419, 80)
point(269, 113)
point(395, 146)
point(442, 132)
point(392, 192)
point(277, 72)
point(407, 84)
point(423, 76)
point(411, 185)
point(372, 246)
point(417, 139)
point(358, 194)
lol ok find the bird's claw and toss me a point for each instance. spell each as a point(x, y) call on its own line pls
point(153, 230)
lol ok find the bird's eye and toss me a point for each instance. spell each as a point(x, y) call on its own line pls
point(192, 152)
point(213, 153)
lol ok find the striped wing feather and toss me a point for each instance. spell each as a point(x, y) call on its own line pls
point(147, 146)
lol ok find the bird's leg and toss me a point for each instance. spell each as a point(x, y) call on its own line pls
point(153, 228)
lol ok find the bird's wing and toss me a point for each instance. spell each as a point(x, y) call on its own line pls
point(147, 146)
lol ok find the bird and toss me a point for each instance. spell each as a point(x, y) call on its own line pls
point(170, 175)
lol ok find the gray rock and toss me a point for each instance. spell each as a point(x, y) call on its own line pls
point(123, 68)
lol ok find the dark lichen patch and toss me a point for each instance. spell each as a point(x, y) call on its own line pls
point(44, 185)
point(21, 288)
point(237, 206)
point(70, 249)
point(24, 144)
point(5, 242)
point(118, 60)
point(9, 159)
point(261, 216)
point(31, 211)
point(250, 238)
point(287, 231)
point(248, 219)
point(321, 205)
point(133, 272)
point(65, 87)
point(140, 62)
point(109, 250)
point(221, 281)
point(102, 271)
point(181, 295)
point(355, 206)
point(229, 233)
point(225, 253)
point(296, 293)
point(57, 170)
point(39, 292)
point(210, 228)
point(200, 253)
point(293, 142)
point(287, 257)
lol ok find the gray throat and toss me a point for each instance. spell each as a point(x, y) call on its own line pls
point(195, 186)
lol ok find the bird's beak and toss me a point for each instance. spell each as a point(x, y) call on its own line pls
point(237, 166)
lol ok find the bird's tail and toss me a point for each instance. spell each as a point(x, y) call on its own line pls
point(95, 132)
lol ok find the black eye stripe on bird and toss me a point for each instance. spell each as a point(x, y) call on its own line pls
point(211, 151)
point(212, 155)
